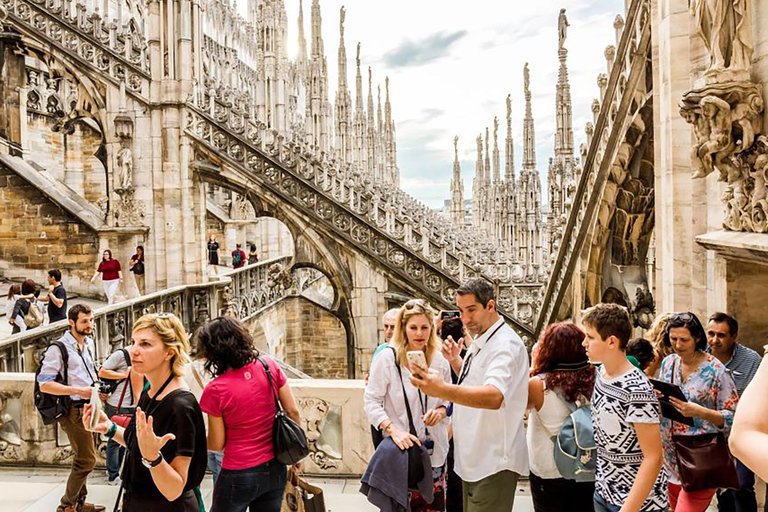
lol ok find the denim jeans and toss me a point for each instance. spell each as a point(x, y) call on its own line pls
point(742, 499)
point(259, 488)
point(115, 452)
point(214, 464)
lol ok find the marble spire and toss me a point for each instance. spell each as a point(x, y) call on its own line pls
point(529, 135)
point(457, 188)
point(343, 133)
point(317, 30)
point(496, 163)
point(302, 58)
point(509, 156)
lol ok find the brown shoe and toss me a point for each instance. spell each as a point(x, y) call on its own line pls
point(73, 508)
point(90, 507)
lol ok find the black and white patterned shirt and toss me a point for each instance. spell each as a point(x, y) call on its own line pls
point(616, 405)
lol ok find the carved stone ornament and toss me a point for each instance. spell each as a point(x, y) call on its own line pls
point(128, 210)
point(123, 126)
point(727, 125)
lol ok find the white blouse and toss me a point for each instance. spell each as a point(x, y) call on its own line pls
point(542, 425)
point(384, 400)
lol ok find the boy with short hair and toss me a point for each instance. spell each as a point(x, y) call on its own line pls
point(625, 413)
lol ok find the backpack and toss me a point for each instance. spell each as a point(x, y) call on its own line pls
point(113, 383)
point(575, 450)
point(34, 317)
point(237, 258)
point(53, 407)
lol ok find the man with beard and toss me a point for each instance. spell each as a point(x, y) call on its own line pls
point(81, 375)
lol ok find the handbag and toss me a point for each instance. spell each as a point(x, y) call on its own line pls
point(301, 496)
point(704, 461)
point(288, 438)
point(415, 464)
point(123, 420)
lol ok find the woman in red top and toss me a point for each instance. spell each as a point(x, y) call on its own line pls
point(111, 275)
point(241, 409)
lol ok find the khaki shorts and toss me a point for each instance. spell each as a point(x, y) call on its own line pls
point(495, 493)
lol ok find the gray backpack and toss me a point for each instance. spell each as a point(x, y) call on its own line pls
point(575, 450)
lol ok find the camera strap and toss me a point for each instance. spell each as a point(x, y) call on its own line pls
point(468, 362)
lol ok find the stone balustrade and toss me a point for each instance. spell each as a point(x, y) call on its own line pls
point(243, 292)
point(331, 412)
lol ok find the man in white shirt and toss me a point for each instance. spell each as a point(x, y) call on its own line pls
point(489, 401)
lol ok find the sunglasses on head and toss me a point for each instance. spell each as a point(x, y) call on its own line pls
point(684, 318)
point(416, 302)
point(162, 315)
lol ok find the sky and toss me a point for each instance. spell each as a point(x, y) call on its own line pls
point(451, 65)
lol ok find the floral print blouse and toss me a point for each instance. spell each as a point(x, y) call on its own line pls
point(709, 386)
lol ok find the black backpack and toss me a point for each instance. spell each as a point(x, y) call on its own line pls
point(113, 383)
point(53, 407)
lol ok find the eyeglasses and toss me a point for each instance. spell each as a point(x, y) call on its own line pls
point(416, 302)
point(162, 315)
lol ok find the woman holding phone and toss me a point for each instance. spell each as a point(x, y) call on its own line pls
point(390, 394)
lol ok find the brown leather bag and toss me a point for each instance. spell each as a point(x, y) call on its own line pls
point(704, 462)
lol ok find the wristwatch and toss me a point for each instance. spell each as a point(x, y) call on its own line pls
point(149, 464)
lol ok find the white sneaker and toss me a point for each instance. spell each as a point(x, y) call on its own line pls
point(116, 481)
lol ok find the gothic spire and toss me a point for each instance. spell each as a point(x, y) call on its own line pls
point(342, 52)
point(358, 83)
point(457, 187)
point(387, 105)
point(563, 116)
point(302, 39)
point(496, 171)
point(317, 30)
point(509, 156)
point(370, 98)
point(487, 174)
point(479, 166)
point(529, 136)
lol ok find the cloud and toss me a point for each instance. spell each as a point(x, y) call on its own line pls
point(416, 53)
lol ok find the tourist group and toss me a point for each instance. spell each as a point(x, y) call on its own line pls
point(597, 421)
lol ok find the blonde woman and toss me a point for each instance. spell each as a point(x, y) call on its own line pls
point(385, 404)
point(166, 456)
point(656, 337)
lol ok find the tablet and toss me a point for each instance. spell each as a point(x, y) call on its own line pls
point(667, 409)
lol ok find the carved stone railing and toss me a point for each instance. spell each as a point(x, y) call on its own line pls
point(84, 36)
point(243, 292)
point(357, 213)
point(616, 108)
point(332, 415)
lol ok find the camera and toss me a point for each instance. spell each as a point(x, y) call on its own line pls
point(452, 327)
point(106, 388)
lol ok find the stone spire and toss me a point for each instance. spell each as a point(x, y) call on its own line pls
point(509, 156)
point(302, 58)
point(563, 116)
point(479, 172)
point(390, 148)
point(529, 136)
point(317, 30)
point(457, 188)
point(361, 155)
point(496, 164)
point(343, 100)
point(487, 173)
point(477, 186)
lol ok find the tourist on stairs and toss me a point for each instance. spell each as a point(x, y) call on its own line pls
point(111, 275)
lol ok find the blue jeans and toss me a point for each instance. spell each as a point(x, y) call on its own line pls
point(259, 488)
point(603, 506)
point(214, 464)
point(742, 499)
point(115, 452)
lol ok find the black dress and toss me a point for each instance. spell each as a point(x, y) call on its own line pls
point(180, 414)
point(213, 253)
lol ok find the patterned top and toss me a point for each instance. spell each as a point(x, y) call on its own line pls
point(709, 386)
point(617, 404)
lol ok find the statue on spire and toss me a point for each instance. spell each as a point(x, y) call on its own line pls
point(342, 16)
point(526, 78)
point(358, 55)
point(562, 27)
point(456, 147)
point(509, 106)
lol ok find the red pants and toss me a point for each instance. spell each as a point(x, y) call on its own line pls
point(681, 500)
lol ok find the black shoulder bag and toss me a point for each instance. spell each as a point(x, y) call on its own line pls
point(288, 438)
point(415, 465)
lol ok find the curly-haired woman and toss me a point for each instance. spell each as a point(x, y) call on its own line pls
point(240, 406)
point(561, 375)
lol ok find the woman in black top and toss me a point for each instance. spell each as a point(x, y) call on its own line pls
point(137, 267)
point(253, 256)
point(166, 457)
point(213, 254)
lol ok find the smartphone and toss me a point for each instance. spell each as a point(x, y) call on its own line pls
point(449, 314)
point(452, 327)
point(95, 407)
point(417, 358)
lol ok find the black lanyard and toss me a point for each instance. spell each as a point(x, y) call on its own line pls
point(152, 400)
point(468, 363)
point(85, 363)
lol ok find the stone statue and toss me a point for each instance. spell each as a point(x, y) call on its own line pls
point(509, 106)
point(526, 78)
point(124, 169)
point(456, 147)
point(716, 116)
point(725, 27)
point(562, 27)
